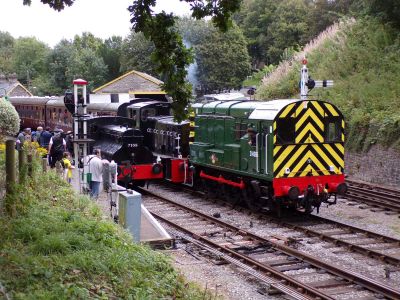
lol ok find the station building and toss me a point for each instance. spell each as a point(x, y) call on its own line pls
point(11, 87)
point(133, 84)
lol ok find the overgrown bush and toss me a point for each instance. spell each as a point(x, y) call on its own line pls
point(58, 245)
point(9, 119)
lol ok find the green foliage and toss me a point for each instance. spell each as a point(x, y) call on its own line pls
point(364, 62)
point(9, 119)
point(58, 65)
point(88, 65)
point(29, 58)
point(222, 58)
point(59, 246)
point(170, 54)
point(387, 10)
point(6, 52)
point(272, 26)
point(111, 52)
point(136, 54)
point(256, 78)
point(55, 4)
point(288, 29)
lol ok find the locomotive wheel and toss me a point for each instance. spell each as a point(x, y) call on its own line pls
point(210, 189)
point(230, 194)
point(253, 203)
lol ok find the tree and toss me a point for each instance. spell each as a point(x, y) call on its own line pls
point(288, 28)
point(86, 64)
point(29, 58)
point(136, 54)
point(6, 52)
point(59, 64)
point(387, 10)
point(111, 52)
point(222, 59)
point(254, 18)
point(267, 23)
point(55, 4)
point(87, 41)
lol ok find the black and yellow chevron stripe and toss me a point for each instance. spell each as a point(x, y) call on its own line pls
point(309, 155)
point(192, 127)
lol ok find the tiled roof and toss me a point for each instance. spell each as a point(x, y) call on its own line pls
point(132, 82)
point(12, 87)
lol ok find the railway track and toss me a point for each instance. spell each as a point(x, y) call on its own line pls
point(375, 196)
point(288, 270)
point(354, 239)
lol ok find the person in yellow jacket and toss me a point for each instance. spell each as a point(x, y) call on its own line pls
point(68, 167)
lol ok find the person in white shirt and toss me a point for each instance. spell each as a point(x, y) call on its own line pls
point(95, 165)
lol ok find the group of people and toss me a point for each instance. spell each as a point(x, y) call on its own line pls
point(58, 144)
point(42, 137)
point(60, 147)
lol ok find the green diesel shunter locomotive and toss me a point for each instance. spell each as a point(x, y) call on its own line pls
point(280, 153)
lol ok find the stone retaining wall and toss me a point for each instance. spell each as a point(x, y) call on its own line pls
point(379, 165)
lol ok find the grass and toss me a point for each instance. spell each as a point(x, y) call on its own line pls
point(363, 59)
point(58, 245)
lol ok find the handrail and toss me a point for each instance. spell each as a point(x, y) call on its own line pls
point(266, 153)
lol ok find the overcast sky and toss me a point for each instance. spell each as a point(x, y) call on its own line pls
point(103, 18)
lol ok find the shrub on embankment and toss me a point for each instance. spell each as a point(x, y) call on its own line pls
point(364, 62)
point(58, 245)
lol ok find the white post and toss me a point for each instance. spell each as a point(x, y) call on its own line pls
point(80, 127)
point(303, 81)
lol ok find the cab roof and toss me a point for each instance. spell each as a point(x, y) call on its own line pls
point(269, 110)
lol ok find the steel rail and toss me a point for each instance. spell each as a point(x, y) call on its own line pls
point(384, 203)
point(351, 246)
point(364, 281)
point(226, 254)
point(393, 191)
point(376, 192)
point(337, 241)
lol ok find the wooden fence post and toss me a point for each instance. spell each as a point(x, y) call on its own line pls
point(44, 165)
point(10, 166)
point(21, 165)
point(30, 167)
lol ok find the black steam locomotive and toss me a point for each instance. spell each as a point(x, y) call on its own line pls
point(144, 140)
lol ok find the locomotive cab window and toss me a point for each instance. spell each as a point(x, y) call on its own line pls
point(148, 112)
point(285, 131)
point(240, 130)
point(133, 115)
point(332, 129)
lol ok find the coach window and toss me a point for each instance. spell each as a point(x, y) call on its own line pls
point(332, 130)
point(285, 131)
point(65, 116)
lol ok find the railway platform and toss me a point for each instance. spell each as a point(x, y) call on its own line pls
point(151, 231)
